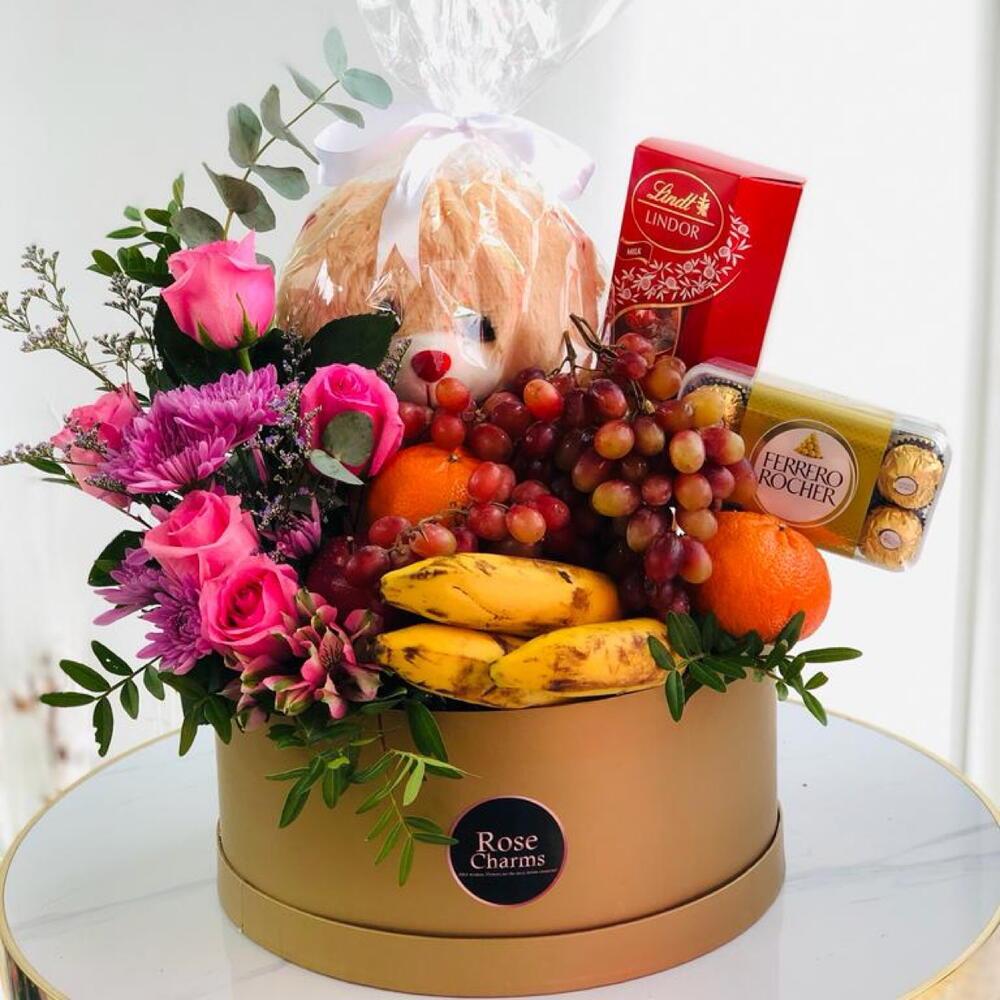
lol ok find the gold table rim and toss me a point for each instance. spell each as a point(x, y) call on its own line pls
point(13, 952)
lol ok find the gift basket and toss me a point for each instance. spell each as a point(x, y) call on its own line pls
point(488, 601)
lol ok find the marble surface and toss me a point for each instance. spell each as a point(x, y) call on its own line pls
point(893, 871)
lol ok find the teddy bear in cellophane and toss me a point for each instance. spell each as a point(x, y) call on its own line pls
point(501, 269)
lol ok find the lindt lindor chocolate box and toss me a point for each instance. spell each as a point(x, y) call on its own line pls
point(700, 252)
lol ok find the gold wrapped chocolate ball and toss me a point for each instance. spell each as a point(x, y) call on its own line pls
point(733, 404)
point(910, 475)
point(891, 536)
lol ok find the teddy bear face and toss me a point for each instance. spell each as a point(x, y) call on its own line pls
point(501, 272)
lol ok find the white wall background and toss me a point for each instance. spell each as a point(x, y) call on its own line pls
point(884, 106)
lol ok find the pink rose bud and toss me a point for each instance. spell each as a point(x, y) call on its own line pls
point(221, 297)
point(202, 536)
point(106, 418)
point(245, 610)
point(334, 389)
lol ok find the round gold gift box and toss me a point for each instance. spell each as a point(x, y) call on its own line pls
point(671, 831)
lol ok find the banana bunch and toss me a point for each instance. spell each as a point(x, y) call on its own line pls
point(491, 604)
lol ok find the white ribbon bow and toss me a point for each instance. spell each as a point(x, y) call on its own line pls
point(562, 169)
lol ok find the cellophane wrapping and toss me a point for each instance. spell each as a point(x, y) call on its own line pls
point(502, 264)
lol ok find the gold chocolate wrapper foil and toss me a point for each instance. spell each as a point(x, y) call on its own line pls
point(733, 401)
point(891, 536)
point(910, 475)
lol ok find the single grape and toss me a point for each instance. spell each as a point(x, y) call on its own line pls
point(523, 377)
point(429, 366)
point(402, 555)
point(385, 531)
point(447, 430)
point(640, 319)
point(657, 490)
point(485, 482)
point(525, 524)
point(433, 539)
point(542, 398)
point(487, 521)
point(529, 491)
point(675, 415)
point(638, 344)
point(687, 452)
point(681, 604)
point(367, 566)
point(708, 406)
point(452, 395)
point(507, 484)
point(649, 436)
point(572, 445)
point(608, 399)
point(615, 498)
point(577, 409)
point(634, 468)
point(614, 439)
point(465, 539)
point(662, 381)
point(416, 419)
point(663, 558)
point(700, 524)
point(591, 470)
point(513, 417)
point(661, 596)
point(723, 445)
point(632, 592)
point(745, 488)
point(720, 479)
point(692, 491)
point(564, 382)
point(630, 365)
point(539, 440)
point(554, 511)
point(644, 526)
point(490, 443)
point(696, 563)
point(494, 399)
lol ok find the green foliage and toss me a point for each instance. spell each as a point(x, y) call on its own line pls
point(360, 340)
point(111, 558)
point(398, 775)
point(702, 654)
point(350, 437)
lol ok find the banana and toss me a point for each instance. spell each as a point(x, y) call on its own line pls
point(584, 661)
point(498, 593)
point(454, 662)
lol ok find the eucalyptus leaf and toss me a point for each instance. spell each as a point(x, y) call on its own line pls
point(345, 113)
point(350, 437)
point(261, 217)
point(244, 134)
point(237, 195)
point(289, 182)
point(335, 52)
point(367, 87)
point(306, 87)
point(196, 227)
point(270, 114)
point(332, 468)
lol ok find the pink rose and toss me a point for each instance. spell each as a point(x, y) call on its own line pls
point(336, 388)
point(246, 610)
point(106, 418)
point(221, 296)
point(202, 536)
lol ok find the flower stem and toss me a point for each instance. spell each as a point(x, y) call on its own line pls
point(243, 356)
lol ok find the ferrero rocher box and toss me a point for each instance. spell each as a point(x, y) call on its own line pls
point(596, 842)
point(702, 243)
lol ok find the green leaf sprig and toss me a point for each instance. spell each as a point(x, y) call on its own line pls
point(336, 764)
point(702, 654)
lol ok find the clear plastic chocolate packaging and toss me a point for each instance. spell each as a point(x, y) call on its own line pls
point(858, 480)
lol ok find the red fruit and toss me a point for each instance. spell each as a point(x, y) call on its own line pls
point(367, 566)
point(591, 470)
point(663, 381)
point(608, 399)
point(657, 490)
point(687, 451)
point(700, 524)
point(386, 530)
point(644, 527)
point(447, 430)
point(650, 438)
point(490, 443)
point(529, 491)
point(326, 578)
point(634, 468)
point(615, 498)
point(429, 366)
point(512, 547)
point(630, 365)
point(573, 444)
point(675, 415)
point(721, 479)
point(543, 399)
point(614, 439)
point(513, 416)
point(494, 399)
point(539, 440)
point(564, 382)
point(576, 409)
point(523, 377)
point(681, 604)
point(692, 491)
point(416, 419)
point(433, 539)
point(696, 563)
point(745, 487)
point(525, 524)
point(554, 511)
point(452, 395)
point(465, 540)
point(663, 558)
point(632, 591)
point(661, 596)
point(638, 344)
point(640, 319)
point(485, 482)
point(507, 484)
point(723, 445)
point(487, 521)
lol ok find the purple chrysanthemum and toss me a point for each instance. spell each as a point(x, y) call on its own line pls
point(187, 434)
point(138, 584)
point(177, 639)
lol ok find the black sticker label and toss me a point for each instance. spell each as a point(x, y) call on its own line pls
point(508, 852)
